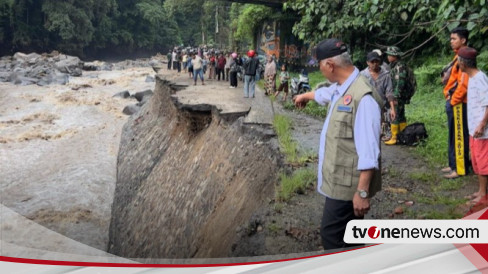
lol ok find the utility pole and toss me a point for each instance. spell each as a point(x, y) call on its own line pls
point(217, 25)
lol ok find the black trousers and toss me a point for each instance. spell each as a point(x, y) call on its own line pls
point(233, 79)
point(219, 73)
point(337, 214)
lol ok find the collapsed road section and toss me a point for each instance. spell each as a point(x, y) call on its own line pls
point(193, 166)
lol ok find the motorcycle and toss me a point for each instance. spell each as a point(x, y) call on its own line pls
point(300, 85)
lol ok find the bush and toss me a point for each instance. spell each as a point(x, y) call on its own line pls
point(483, 61)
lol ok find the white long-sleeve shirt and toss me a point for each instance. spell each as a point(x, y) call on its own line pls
point(367, 126)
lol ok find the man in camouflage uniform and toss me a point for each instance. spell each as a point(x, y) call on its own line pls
point(398, 72)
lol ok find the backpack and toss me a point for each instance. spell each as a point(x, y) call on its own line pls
point(233, 67)
point(410, 86)
point(412, 134)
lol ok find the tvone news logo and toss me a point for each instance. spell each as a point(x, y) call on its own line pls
point(375, 232)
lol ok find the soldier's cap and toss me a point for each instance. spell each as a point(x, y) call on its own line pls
point(467, 53)
point(394, 51)
point(373, 56)
point(330, 48)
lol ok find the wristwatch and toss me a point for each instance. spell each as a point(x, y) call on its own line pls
point(363, 193)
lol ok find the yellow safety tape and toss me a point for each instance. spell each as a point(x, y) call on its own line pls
point(459, 139)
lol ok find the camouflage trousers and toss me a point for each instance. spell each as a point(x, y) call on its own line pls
point(400, 113)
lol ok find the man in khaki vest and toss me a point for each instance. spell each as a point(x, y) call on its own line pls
point(349, 155)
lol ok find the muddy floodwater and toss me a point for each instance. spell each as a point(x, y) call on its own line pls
point(58, 150)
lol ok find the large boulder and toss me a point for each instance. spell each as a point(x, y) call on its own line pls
point(45, 69)
point(69, 64)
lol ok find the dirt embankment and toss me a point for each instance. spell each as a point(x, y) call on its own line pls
point(187, 179)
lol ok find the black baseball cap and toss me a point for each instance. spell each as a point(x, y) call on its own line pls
point(373, 56)
point(330, 48)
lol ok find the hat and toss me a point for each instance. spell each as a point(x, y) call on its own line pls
point(330, 48)
point(373, 56)
point(467, 53)
point(394, 51)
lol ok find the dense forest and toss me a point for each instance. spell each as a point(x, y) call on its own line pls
point(418, 26)
point(89, 27)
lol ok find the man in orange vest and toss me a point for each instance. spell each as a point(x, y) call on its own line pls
point(455, 92)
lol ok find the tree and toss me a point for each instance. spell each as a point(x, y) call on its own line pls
point(412, 24)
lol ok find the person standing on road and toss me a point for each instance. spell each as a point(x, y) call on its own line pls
point(221, 61)
point(234, 67)
point(173, 59)
point(270, 76)
point(455, 92)
point(284, 78)
point(349, 153)
point(228, 60)
point(179, 58)
point(212, 62)
point(169, 56)
point(197, 65)
point(477, 120)
point(250, 69)
point(184, 59)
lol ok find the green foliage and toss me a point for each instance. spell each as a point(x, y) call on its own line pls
point(296, 184)
point(75, 26)
point(482, 60)
point(373, 23)
point(70, 22)
point(249, 18)
point(196, 21)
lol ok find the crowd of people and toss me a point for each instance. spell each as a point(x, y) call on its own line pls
point(349, 153)
point(220, 65)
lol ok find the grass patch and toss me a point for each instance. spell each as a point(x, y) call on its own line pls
point(394, 172)
point(274, 228)
point(282, 126)
point(438, 215)
point(423, 176)
point(449, 214)
point(428, 107)
point(438, 199)
point(296, 183)
point(449, 185)
point(278, 207)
